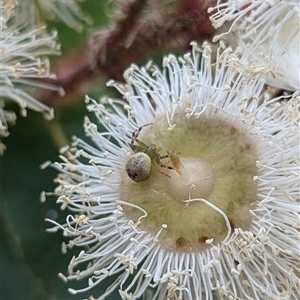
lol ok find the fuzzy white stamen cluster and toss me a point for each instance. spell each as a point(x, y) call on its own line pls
point(66, 11)
point(258, 263)
point(23, 54)
point(268, 33)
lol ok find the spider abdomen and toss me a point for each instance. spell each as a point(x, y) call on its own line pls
point(139, 167)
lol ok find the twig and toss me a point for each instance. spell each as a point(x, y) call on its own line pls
point(188, 22)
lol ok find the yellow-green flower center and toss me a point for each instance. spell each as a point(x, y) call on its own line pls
point(219, 163)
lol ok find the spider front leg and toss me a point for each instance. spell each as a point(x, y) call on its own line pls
point(136, 133)
point(169, 154)
point(164, 166)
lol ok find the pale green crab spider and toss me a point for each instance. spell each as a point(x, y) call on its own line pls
point(139, 165)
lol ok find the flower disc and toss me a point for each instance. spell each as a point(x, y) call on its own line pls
point(220, 160)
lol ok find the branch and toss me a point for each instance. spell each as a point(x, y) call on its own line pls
point(129, 41)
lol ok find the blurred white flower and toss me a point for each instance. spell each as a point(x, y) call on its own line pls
point(219, 219)
point(268, 33)
point(67, 11)
point(23, 62)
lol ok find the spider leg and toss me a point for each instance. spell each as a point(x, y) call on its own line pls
point(136, 133)
point(166, 166)
point(134, 136)
point(169, 154)
point(161, 172)
point(140, 145)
